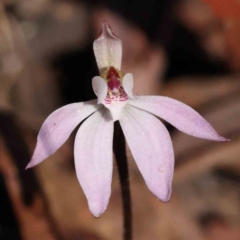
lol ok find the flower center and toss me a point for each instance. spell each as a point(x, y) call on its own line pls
point(115, 89)
point(113, 80)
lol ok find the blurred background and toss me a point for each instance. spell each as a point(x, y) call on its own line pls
point(184, 49)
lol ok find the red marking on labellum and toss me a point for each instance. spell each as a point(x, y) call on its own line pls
point(120, 97)
point(113, 79)
point(116, 91)
point(112, 72)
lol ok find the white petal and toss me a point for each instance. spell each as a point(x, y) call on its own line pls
point(152, 149)
point(179, 115)
point(100, 88)
point(93, 160)
point(115, 108)
point(107, 49)
point(57, 128)
point(127, 83)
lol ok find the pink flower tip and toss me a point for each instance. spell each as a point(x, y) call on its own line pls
point(165, 200)
point(97, 209)
point(31, 164)
point(223, 139)
point(107, 30)
point(162, 192)
point(28, 166)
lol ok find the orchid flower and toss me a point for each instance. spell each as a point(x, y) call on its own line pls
point(147, 137)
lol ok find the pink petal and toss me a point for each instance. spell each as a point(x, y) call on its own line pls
point(108, 49)
point(152, 149)
point(180, 115)
point(93, 160)
point(57, 128)
point(100, 88)
point(127, 83)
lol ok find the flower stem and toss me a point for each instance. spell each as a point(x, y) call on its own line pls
point(119, 149)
